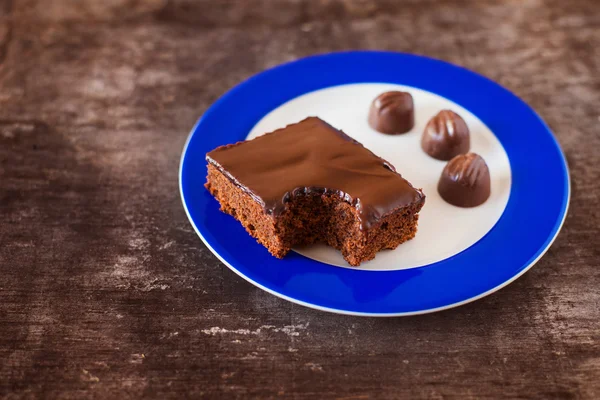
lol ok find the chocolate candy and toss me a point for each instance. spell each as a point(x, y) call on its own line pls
point(465, 181)
point(446, 135)
point(392, 113)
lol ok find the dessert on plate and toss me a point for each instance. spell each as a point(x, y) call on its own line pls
point(446, 136)
point(309, 182)
point(465, 181)
point(392, 113)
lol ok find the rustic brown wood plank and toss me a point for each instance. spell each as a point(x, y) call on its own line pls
point(105, 290)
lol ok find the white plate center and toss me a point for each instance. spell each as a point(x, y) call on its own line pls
point(444, 230)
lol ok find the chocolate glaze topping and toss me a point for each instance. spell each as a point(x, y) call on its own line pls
point(313, 157)
point(446, 135)
point(465, 181)
point(392, 113)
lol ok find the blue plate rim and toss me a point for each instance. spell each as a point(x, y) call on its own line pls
point(534, 259)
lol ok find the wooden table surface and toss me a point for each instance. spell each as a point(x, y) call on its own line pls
point(107, 292)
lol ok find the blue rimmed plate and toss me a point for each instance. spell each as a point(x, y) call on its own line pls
point(458, 255)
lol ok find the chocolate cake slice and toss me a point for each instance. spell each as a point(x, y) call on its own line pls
point(310, 182)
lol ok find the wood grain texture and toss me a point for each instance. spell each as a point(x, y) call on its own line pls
point(106, 291)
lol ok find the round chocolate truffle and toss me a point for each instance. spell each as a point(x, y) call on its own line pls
point(392, 113)
point(446, 135)
point(465, 181)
